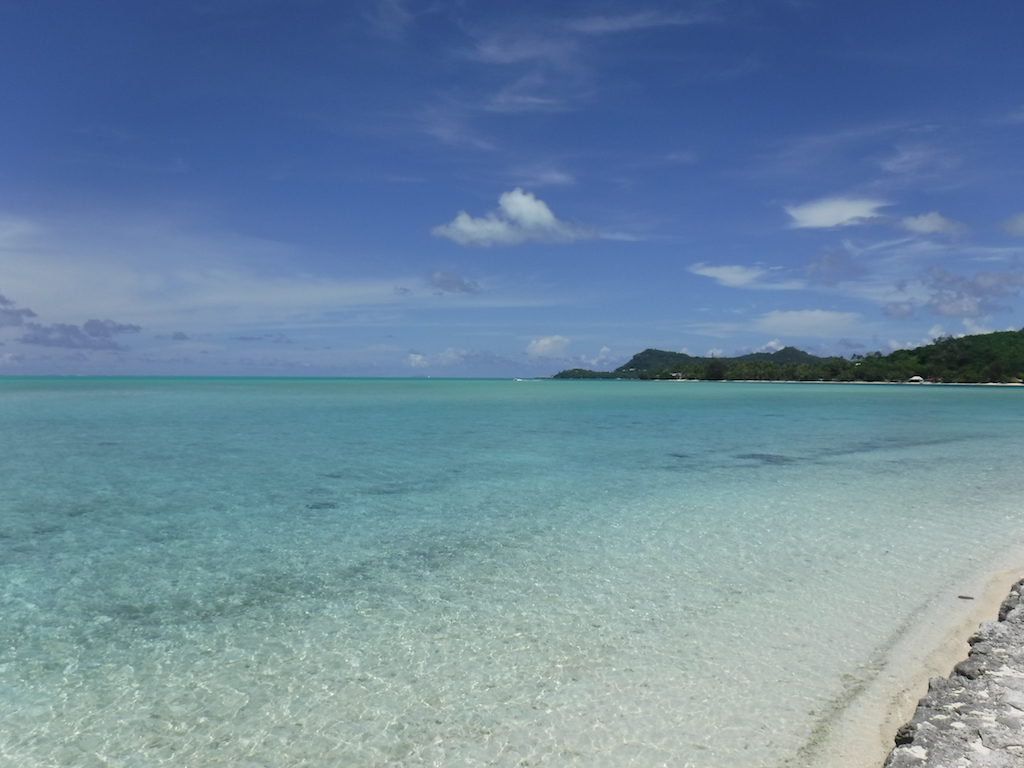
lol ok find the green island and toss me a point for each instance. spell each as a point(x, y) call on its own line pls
point(984, 358)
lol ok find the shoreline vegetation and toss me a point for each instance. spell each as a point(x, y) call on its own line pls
point(991, 358)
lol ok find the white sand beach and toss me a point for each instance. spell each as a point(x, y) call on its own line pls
point(863, 734)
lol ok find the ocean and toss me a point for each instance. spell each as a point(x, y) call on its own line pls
point(366, 573)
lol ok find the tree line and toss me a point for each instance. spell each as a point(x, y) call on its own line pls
point(992, 357)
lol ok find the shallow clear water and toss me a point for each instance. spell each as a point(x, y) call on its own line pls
point(465, 573)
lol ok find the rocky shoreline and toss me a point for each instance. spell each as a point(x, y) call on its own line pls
point(975, 717)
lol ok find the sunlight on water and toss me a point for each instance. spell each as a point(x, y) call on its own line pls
point(436, 573)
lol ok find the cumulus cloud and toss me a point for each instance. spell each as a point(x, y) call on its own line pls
point(452, 283)
point(807, 322)
point(520, 217)
point(1015, 225)
point(932, 223)
point(547, 346)
point(744, 277)
point(93, 334)
point(834, 212)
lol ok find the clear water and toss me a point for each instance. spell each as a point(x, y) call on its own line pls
point(369, 573)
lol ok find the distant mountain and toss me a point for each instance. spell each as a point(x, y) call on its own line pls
point(990, 357)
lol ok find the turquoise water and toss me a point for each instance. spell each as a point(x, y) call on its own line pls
point(365, 573)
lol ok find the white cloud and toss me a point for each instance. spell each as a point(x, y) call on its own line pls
point(834, 212)
point(1015, 225)
point(808, 322)
point(932, 223)
point(520, 217)
point(745, 277)
point(548, 346)
point(715, 352)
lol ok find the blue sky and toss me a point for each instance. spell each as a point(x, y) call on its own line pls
point(459, 188)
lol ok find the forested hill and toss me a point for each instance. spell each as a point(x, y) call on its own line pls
point(991, 357)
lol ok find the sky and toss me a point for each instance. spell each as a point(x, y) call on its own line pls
point(460, 188)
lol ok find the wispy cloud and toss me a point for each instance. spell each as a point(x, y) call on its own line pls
point(1015, 225)
point(11, 317)
point(520, 217)
point(454, 358)
point(834, 212)
point(919, 160)
point(93, 334)
point(171, 278)
point(733, 276)
point(932, 223)
point(834, 268)
point(390, 18)
point(817, 323)
point(504, 49)
point(543, 176)
point(606, 25)
point(450, 123)
point(534, 92)
point(449, 282)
